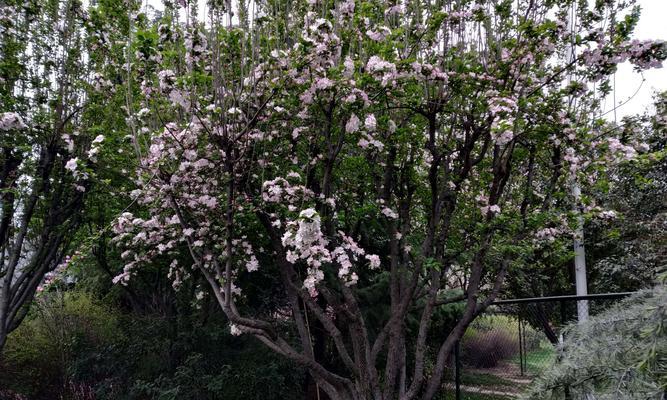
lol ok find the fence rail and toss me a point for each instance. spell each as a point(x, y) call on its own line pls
point(572, 297)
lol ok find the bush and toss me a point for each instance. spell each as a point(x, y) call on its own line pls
point(486, 350)
point(252, 374)
point(494, 338)
point(8, 395)
point(60, 327)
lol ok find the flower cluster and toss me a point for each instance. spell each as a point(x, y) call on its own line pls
point(305, 242)
point(643, 55)
point(383, 70)
point(280, 190)
point(58, 273)
point(503, 109)
point(485, 208)
point(10, 121)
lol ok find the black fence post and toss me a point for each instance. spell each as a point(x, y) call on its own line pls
point(521, 347)
point(457, 369)
point(525, 346)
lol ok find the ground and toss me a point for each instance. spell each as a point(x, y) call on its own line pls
point(504, 381)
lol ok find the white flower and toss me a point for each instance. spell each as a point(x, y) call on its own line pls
point(70, 143)
point(235, 330)
point(608, 214)
point(72, 164)
point(11, 120)
point(378, 35)
point(389, 213)
point(98, 139)
point(323, 83)
point(253, 264)
point(308, 213)
point(392, 126)
point(349, 67)
point(92, 153)
point(374, 260)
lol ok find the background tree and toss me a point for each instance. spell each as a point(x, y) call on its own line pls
point(48, 153)
point(628, 246)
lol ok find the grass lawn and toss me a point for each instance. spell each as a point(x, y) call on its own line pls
point(538, 359)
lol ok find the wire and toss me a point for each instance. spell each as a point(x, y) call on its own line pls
point(625, 102)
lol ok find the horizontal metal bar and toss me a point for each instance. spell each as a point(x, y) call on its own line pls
point(564, 298)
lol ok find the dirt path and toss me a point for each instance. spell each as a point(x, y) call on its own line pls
point(509, 373)
point(486, 390)
point(505, 370)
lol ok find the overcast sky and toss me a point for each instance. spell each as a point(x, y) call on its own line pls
point(652, 25)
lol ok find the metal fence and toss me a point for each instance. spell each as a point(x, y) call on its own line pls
point(504, 349)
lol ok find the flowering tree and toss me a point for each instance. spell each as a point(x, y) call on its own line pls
point(423, 149)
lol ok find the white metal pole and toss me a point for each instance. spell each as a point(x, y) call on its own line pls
point(579, 254)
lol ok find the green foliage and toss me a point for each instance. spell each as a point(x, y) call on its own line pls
point(619, 354)
point(72, 340)
point(253, 375)
point(60, 328)
point(629, 251)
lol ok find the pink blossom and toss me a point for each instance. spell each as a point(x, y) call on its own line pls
point(235, 330)
point(370, 123)
point(380, 34)
point(323, 83)
point(253, 264)
point(352, 124)
point(349, 67)
point(389, 213)
point(374, 261)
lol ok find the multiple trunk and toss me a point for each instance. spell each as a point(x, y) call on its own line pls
point(34, 233)
point(379, 364)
